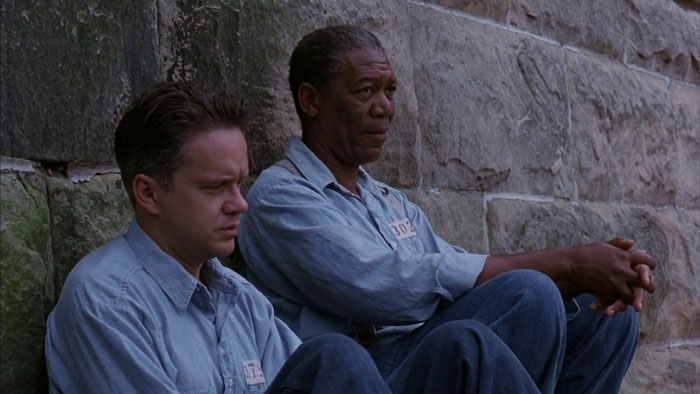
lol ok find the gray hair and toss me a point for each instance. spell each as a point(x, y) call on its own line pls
point(319, 55)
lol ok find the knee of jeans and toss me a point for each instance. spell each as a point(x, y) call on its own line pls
point(536, 292)
point(627, 323)
point(534, 284)
point(335, 347)
point(458, 335)
point(463, 343)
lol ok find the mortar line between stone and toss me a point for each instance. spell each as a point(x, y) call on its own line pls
point(643, 71)
point(419, 154)
point(517, 196)
point(485, 226)
point(674, 343)
point(159, 57)
point(418, 146)
point(569, 129)
point(457, 13)
point(15, 164)
point(464, 15)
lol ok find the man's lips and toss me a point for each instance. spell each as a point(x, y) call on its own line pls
point(378, 135)
point(231, 230)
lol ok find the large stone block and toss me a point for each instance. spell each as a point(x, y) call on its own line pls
point(457, 217)
point(518, 226)
point(492, 107)
point(664, 370)
point(593, 25)
point(271, 29)
point(632, 139)
point(68, 71)
point(198, 41)
point(671, 237)
point(673, 311)
point(84, 216)
point(26, 281)
point(662, 36)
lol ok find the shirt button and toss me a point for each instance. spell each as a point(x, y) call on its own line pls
point(230, 382)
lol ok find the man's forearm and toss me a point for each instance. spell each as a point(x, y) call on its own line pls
point(555, 263)
point(608, 270)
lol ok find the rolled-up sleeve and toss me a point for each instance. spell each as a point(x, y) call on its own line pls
point(460, 269)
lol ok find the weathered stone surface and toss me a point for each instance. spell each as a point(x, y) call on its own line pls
point(493, 112)
point(517, 226)
point(627, 144)
point(594, 25)
point(662, 36)
point(671, 237)
point(84, 216)
point(673, 311)
point(685, 112)
point(198, 41)
point(68, 70)
point(274, 27)
point(496, 10)
point(26, 281)
point(664, 370)
point(458, 218)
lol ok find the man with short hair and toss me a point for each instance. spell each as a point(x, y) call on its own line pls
point(154, 311)
point(337, 251)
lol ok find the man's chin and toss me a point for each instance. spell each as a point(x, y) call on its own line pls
point(373, 155)
point(225, 248)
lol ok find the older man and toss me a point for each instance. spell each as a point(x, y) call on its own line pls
point(154, 311)
point(337, 251)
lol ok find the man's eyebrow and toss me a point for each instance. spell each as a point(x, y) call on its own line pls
point(363, 78)
point(374, 78)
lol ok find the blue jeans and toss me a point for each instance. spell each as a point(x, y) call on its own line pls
point(330, 363)
point(511, 335)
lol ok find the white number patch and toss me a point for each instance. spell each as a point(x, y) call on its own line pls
point(403, 229)
point(253, 372)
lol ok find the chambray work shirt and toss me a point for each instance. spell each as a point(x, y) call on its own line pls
point(331, 261)
point(131, 319)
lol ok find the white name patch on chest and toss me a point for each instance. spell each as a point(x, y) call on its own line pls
point(403, 229)
point(253, 372)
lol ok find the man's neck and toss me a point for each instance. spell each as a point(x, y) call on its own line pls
point(344, 174)
point(153, 230)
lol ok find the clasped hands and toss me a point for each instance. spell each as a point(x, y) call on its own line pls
point(616, 275)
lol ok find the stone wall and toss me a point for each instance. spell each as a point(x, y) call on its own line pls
point(520, 124)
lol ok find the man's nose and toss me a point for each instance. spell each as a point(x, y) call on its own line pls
point(383, 105)
point(235, 203)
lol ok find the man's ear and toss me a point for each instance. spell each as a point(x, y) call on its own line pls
point(146, 193)
point(309, 97)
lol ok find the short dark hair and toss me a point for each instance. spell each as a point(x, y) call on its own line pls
point(154, 129)
point(319, 55)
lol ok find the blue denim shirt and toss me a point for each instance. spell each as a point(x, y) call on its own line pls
point(331, 261)
point(131, 319)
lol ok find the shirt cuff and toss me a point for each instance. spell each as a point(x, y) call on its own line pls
point(458, 273)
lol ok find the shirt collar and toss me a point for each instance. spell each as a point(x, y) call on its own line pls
point(313, 169)
point(308, 164)
point(178, 284)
